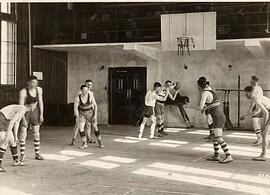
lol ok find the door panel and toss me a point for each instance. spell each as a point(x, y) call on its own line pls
point(127, 87)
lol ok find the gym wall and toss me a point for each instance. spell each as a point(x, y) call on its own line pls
point(211, 64)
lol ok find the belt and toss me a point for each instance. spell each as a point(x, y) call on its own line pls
point(213, 105)
point(161, 102)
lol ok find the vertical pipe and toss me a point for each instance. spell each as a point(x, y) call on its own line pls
point(238, 119)
point(29, 39)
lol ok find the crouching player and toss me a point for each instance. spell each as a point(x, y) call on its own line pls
point(10, 117)
point(262, 105)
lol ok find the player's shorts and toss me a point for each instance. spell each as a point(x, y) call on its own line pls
point(31, 118)
point(4, 122)
point(159, 109)
point(149, 111)
point(259, 115)
point(218, 117)
point(86, 116)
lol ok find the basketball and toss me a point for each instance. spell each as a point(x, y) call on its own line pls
point(177, 85)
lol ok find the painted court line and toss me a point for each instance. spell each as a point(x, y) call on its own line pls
point(9, 191)
point(57, 157)
point(222, 174)
point(136, 138)
point(74, 153)
point(175, 129)
point(209, 182)
point(173, 142)
point(241, 136)
point(248, 134)
point(233, 152)
point(199, 132)
point(126, 141)
point(242, 148)
point(118, 159)
point(100, 164)
point(164, 145)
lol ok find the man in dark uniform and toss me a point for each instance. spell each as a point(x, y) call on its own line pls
point(31, 95)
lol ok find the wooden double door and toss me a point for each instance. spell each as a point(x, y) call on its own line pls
point(127, 88)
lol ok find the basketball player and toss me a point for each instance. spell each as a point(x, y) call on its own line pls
point(85, 110)
point(160, 108)
point(211, 105)
point(208, 116)
point(89, 84)
point(31, 95)
point(256, 122)
point(10, 117)
point(262, 104)
point(150, 100)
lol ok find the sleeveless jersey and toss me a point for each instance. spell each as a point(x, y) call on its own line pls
point(84, 107)
point(215, 102)
point(30, 99)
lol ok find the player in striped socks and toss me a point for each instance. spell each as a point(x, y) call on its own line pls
point(10, 117)
point(31, 95)
point(211, 104)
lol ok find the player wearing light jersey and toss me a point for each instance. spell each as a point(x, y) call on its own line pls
point(256, 122)
point(10, 117)
point(262, 105)
point(149, 112)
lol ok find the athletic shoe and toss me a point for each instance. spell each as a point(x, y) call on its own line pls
point(16, 162)
point(160, 134)
point(259, 158)
point(83, 146)
point(100, 144)
point(153, 137)
point(72, 142)
point(227, 159)
point(38, 157)
point(140, 136)
point(2, 169)
point(213, 158)
point(90, 141)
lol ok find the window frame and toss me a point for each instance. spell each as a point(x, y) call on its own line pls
point(9, 17)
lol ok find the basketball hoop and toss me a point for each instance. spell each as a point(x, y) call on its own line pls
point(183, 43)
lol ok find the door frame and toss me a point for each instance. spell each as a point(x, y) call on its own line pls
point(110, 71)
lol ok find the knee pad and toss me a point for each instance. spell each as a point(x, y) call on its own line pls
point(82, 134)
point(97, 133)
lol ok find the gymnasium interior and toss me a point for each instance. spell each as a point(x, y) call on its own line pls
point(124, 47)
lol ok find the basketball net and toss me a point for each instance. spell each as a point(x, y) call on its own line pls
point(183, 44)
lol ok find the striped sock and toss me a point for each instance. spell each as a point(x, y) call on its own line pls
point(216, 148)
point(82, 134)
point(2, 152)
point(258, 131)
point(14, 152)
point(162, 126)
point(22, 147)
point(224, 147)
point(36, 146)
